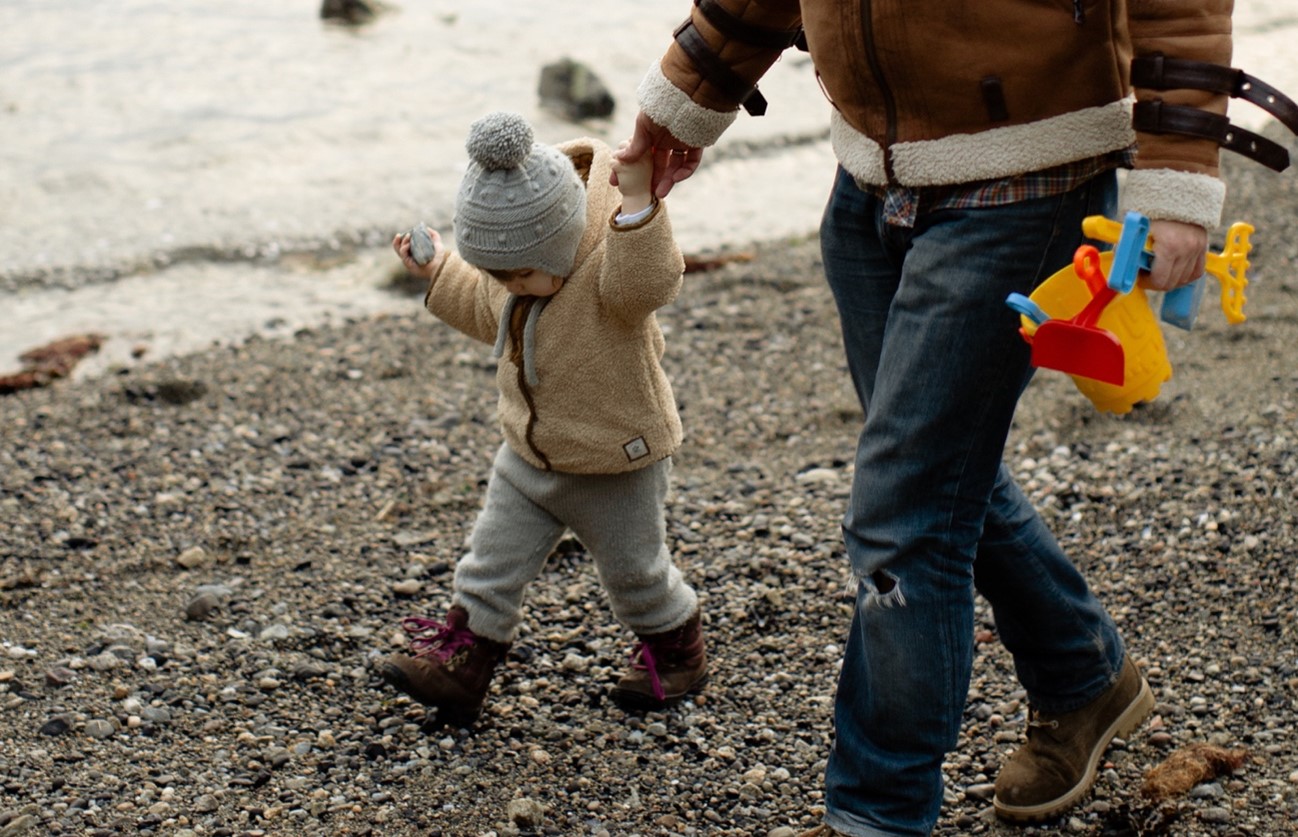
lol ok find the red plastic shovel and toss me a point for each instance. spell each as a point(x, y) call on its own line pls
point(1079, 346)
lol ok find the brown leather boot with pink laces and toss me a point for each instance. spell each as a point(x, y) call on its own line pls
point(448, 667)
point(664, 668)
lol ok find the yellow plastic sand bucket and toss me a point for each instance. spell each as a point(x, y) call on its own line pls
point(1128, 317)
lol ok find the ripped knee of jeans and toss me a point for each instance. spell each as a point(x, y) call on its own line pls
point(882, 590)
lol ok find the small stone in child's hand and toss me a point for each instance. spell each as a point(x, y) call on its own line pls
point(421, 244)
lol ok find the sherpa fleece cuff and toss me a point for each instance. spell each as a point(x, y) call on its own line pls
point(667, 105)
point(1169, 195)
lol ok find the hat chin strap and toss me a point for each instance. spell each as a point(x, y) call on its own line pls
point(529, 335)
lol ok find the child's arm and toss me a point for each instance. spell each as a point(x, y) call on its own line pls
point(633, 181)
point(460, 295)
point(642, 269)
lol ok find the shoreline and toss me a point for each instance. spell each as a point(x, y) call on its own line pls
point(240, 189)
point(191, 305)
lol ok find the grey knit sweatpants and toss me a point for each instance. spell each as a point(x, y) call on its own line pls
point(617, 517)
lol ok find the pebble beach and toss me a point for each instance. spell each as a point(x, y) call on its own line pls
point(211, 528)
point(204, 556)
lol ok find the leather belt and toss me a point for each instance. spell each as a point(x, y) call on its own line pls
point(1162, 118)
point(1158, 72)
point(732, 27)
point(1162, 73)
point(715, 72)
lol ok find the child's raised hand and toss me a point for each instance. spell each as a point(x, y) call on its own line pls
point(406, 249)
point(633, 180)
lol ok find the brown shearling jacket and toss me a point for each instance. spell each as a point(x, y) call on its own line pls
point(601, 402)
point(933, 92)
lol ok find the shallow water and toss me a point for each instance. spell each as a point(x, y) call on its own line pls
point(181, 147)
point(144, 130)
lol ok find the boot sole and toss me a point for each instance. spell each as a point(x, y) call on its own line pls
point(1127, 723)
point(397, 679)
point(628, 699)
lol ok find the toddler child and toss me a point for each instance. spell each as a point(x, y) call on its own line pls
point(561, 272)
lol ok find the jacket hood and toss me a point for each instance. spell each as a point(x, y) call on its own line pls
point(593, 160)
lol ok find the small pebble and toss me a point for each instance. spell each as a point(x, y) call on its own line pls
point(99, 728)
point(201, 606)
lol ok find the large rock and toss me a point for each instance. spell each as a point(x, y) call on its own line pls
point(573, 89)
point(352, 12)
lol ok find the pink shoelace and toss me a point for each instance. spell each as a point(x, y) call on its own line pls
point(444, 641)
point(642, 659)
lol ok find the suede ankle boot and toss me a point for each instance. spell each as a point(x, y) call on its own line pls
point(448, 667)
point(1058, 765)
point(665, 667)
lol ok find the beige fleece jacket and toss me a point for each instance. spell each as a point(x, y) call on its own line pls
point(602, 403)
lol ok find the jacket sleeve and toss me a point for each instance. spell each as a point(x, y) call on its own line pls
point(642, 269)
point(679, 95)
point(465, 298)
point(1176, 176)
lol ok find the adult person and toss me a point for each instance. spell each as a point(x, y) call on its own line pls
point(972, 139)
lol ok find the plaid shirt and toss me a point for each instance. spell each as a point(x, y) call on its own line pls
point(901, 204)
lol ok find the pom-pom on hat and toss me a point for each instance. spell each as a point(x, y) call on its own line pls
point(521, 203)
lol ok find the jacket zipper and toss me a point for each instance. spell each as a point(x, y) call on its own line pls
point(889, 105)
point(531, 420)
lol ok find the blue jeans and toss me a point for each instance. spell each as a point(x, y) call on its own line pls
point(939, 366)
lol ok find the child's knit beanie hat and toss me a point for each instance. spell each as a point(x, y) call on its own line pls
point(521, 203)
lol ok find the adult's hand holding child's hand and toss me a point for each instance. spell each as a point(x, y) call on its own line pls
point(673, 160)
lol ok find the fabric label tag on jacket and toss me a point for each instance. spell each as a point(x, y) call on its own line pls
point(635, 449)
